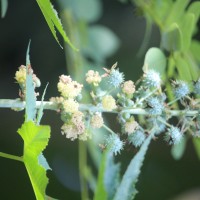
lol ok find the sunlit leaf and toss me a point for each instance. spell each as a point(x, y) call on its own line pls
point(195, 9)
point(176, 12)
point(156, 60)
point(53, 21)
point(187, 28)
point(4, 7)
point(35, 141)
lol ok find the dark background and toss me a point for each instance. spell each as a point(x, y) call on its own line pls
point(161, 178)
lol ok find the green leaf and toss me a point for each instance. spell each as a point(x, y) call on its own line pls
point(195, 49)
point(172, 38)
point(177, 150)
point(108, 178)
point(4, 7)
point(87, 10)
point(35, 141)
point(53, 21)
point(195, 9)
point(100, 192)
point(30, 90)
point(187, 28)
point(196, 142)
point(156, 60)
point(102, 43)
point(176, 12)
point(126, 189)
point(183, 68)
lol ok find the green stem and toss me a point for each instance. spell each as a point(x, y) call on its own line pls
point(82, 168)
point(12, 157)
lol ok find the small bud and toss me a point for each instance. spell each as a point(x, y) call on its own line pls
point(70, 106)
point(128, 87)
point(114, 143)
point(137, 138)
point(130, 126)
point(97, 121)
point(181, 89)
point(108, 102)
point(93, 77)
point(152, 79)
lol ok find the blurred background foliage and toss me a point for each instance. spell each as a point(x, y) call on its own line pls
point(104, 32)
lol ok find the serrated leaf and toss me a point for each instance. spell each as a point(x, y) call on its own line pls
point(177, 150)
point(35, 141)
point(156, 60)
point(172, 38)
point(30, 90)
point(51, 16)
point(196, 142)
point(4, 7)
point(126, 189)
point(183, 68)
point(187, 28)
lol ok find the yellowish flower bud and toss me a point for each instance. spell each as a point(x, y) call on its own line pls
point(20, 75)
point(108, 102)
point(70, 105)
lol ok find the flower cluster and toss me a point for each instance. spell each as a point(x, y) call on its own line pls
point(111, 93)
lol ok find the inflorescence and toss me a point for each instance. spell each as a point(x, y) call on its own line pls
point(122, 97)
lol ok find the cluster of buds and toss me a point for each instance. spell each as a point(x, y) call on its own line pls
point(20, 77)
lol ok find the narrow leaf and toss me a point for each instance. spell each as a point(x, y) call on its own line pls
point(40, 111)
point(172, 38)
point(30, 90)
point(126, 189)
point(100, 192)
point(108, 178)
point(183, 68)
point(4, 7)
point(187, 28)
point(53, 21)
point(35, 141)
point(177, 11)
